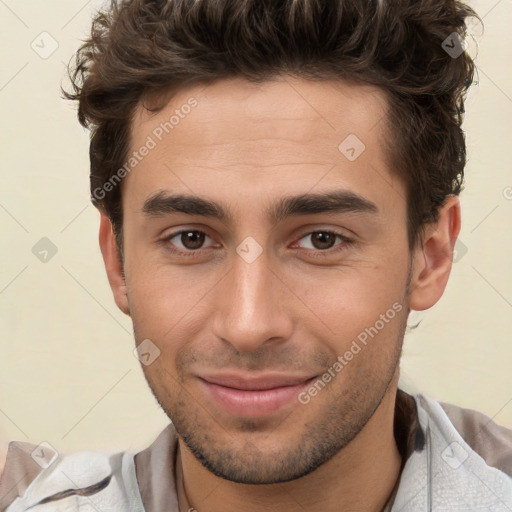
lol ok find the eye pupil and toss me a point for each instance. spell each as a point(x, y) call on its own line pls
point(192, 239)
point(323, 240)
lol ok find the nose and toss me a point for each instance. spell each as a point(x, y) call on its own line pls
point(251, 306)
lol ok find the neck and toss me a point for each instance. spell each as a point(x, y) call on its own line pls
point(359, 477)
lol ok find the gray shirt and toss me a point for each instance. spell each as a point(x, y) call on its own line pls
point(453, 459)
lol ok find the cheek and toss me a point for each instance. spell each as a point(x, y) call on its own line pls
point(367, 348)
point(167, 303)
point(350, 300)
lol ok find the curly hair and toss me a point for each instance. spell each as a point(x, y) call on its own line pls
point(139, 49)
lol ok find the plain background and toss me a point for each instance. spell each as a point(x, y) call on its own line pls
point(68, 375)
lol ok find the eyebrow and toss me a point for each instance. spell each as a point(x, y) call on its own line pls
point(341, 201)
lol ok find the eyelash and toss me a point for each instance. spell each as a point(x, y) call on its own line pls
point(346, 243)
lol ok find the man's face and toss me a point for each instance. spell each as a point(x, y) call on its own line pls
point(251, 310)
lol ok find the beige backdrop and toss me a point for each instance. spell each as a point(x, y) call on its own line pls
point(67, 372)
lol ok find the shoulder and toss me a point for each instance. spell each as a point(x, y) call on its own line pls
point(19, 470)
point(470, 432)
point(37, 474)
point(462, 463)
point(491, 441)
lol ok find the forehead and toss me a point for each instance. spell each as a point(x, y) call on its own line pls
point(333, 107)
point(249, 138)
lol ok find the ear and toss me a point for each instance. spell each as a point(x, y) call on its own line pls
point(113, 263)
point(432, 260)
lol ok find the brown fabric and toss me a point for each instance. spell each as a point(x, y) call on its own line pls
point(20, 471)
point(182, 497)
point(408, 435)
point(491, 441)
point(155, 468)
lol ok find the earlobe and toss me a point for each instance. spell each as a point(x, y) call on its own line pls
point(432, 260)
point(113, 264)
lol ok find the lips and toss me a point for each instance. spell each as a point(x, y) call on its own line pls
point(254, 396)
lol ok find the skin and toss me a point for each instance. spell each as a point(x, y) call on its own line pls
point(294, 309)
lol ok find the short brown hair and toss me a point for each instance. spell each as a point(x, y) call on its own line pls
point(139, 48)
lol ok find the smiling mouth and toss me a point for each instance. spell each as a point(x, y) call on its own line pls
point(254, 397)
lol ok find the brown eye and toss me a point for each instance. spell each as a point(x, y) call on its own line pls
point(187, 241)
point(321, 240)
point(192, 239)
